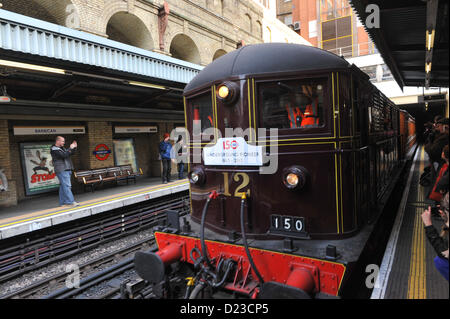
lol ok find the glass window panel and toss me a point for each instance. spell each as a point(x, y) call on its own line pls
point(202, 111)
point(293, 104)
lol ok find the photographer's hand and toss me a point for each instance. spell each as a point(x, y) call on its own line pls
point(426, 217)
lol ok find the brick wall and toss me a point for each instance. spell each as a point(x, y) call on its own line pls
point(9, 197)
point(98, 133)
point(207, 23)
point(16, 159)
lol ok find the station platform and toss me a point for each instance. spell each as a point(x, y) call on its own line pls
point(407, 270)
point(42, 212)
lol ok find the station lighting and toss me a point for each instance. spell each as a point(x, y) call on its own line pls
point(32, 67)
point(430, 40)
point(428, 67)
point(148, 85)
point(4, 97)
point(40, 68)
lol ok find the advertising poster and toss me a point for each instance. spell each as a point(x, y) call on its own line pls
point(38, 172)
point(124, 152)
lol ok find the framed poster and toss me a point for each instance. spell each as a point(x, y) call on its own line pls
point(124, 153)
point(37, 166)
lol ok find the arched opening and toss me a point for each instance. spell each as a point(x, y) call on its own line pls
point(182, 47)
point(219, 53)
point(259, 29)
point(127, 28)
point(248, 23)
point(61, 12)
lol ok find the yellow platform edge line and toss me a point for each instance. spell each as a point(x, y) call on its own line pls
point(417, 270)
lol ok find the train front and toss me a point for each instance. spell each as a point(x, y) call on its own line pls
point(263, 172)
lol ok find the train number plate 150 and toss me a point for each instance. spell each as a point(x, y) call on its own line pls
point(288, 226)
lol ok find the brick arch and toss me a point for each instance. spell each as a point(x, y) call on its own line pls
point(218, 53)
point(61, 12)
point(183, 47)
point(259, 29)
point(111, 8)
point(248, 23)
point(128, 28)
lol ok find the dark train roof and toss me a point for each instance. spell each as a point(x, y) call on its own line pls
point(266, 58)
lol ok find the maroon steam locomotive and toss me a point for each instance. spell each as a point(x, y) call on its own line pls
point(296, 231)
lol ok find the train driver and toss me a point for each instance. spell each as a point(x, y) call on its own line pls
point(198, 118)
point(310, 116)
point(295, 116)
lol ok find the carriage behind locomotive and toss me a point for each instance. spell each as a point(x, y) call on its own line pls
point(339, 142)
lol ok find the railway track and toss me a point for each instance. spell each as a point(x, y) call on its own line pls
point(19, 258)
point(47, 285)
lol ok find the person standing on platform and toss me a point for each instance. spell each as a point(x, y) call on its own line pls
point(439, 242)
point(434, 148)
point(63, 168)
point(181, 148)
point(165, 152)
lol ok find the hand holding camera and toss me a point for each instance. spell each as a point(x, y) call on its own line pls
point(426, 217)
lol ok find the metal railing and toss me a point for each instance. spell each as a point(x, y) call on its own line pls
point(355, 50)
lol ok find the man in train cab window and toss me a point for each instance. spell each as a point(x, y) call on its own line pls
point(207, 121)
point(295, 116)
point(165, 152)
point(310, 114)
point(63, 168)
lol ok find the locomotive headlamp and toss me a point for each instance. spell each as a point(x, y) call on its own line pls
point(228, 92)
point(224, 91)
point(194, 177)
point(197, 176)
point(295, 177)
point(292, 179)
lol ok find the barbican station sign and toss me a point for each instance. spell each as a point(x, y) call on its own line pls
point(136, 129)
point(48, 130)
point(102, 152)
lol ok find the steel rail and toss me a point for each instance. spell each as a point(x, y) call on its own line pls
point(104, 259)
point(55, 249)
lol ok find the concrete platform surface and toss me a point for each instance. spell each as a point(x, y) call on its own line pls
point(407, 270)
point(42, 212)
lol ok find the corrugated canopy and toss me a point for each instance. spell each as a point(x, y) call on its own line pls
point(403, 41)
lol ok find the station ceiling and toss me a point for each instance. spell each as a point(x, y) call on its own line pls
point(87, 92)
point(47, 69)
point(412, 38)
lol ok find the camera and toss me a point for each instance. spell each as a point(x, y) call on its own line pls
point(435, 211)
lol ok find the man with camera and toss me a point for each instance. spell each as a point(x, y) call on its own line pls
point(63, 169)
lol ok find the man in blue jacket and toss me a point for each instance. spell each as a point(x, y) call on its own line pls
point(165, 151)
point(63, 169)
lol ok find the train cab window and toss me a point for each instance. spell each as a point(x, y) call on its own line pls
point(202, 111)
point(293, 104)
